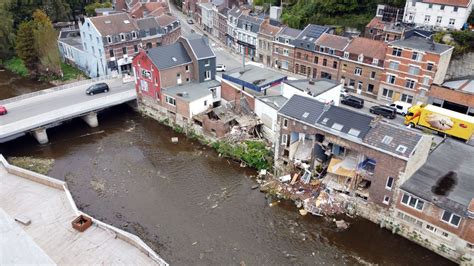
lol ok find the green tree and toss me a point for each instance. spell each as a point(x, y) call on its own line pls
point(90, 8)
point(57, 10)
point(25, 46)
point(7, 35)
point(45, 44)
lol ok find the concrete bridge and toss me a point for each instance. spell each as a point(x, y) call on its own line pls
point(35, 112)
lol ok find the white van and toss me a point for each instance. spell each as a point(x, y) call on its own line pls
point(401, 107)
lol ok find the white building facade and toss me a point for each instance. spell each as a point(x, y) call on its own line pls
point(442, 14)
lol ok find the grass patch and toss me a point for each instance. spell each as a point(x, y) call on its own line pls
point(70, 72)
point(40, 166)
point(17, 66)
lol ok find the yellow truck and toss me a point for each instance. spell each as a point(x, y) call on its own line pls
point(442, 120)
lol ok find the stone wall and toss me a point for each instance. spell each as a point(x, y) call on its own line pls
point(461, 67)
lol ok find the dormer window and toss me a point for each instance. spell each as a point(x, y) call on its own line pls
point(287, 41)
point(134, 35)
point(346, 55)
point(109, 39)
point(331, 51)
point(360, 58)
point(122, 37)
point(375, 61)
point(321, 49)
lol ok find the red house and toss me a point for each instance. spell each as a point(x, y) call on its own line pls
point(147, 76)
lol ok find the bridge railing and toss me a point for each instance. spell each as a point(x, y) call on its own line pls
point(58, 88)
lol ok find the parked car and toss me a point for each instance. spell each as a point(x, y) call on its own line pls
point(344, 92)
point(97, 88)
point(190, 21)
point(385, 111)
point(3, 110)
point(220, 68)
point(353, 101)
point(401, 107)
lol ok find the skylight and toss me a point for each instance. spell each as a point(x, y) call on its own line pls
point(305, 115)
point(337, 126)
point(401, 149)
point(126, 21)
point(325, 120)
point(354, 132)
point(387, 140)
point(174, 59)
point(107, 22)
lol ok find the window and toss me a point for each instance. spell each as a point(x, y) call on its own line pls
point(439, 19)
point(354, 132)
point(389, 183)
point(359, 85)
point(334, 64)
point(410, 84)
point(337, 126)
point(207, 75)
point(325, 62)
point(358, 71)
point(430, 6)
point(426, 80)
point(284, 64)
point(331, 51)
point(391, 79)
point(122, 36)
point(452, 21)
point(360, 58)
point(455, 9)
point(413, 70)
point(276, 50)
point(393, 65)
point(397, 52)
point(111, 52)
point(305, 115)
point(143, 85)
point(451, 218)
point(306, 57)
point(429, 67)
point(321, 49)
point(134, 35)
point(302, 69)
point(186, 68)
point(284, 139)
point(441, 7)
point(178, 78)
point(370, 88)
point(135, 48)
point(285, 52)
point(207, 62)
point(205, 103)
point(409, 219)
point(346, 55)
point(93, 49)
point(375, 61)
point(285, 123)
point(372, 75)
point(412, 202)
point(401, 149)
point(387, 140)
point(124, 50)
point(406, 98)
point(298, 55)
point(170, 100)
point(415, 55)
point(146, 74)
point(431, 228)
point(386, 200)
point(316, 59)
point(427, 18)
point(351, 83)
point(387, 94)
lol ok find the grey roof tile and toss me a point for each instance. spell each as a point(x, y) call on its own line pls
point(449, 157)
point(191, 91)
point(199, 46)
point(168, 56)
point(422, 44)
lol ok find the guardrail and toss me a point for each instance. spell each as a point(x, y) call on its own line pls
point(57, 88)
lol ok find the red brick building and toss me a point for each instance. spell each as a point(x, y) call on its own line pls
point(456, 95)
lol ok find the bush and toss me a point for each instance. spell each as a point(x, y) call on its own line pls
point(17, 66)
point(254, 153)
point(70, 72)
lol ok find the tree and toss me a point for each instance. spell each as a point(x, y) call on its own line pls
point(7, 35)
point(45, 44)
point(90, 8)
point(25, 46)
point(57, 10)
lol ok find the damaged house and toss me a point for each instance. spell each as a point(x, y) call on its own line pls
point(364, 157)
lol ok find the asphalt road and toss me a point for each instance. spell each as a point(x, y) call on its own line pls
point(30, 107)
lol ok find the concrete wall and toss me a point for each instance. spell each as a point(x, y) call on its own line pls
point(200, 105)
point(461, 67)
point(269, 116)
point(91, 65)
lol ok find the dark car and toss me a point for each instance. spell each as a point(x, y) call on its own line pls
point(3, 110)
point(384, 111)
point(97, 88)
point(353, 101)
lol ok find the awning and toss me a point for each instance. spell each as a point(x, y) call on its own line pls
point(345, 167)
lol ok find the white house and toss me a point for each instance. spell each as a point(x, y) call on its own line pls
point(207, 16)
point(443, 14)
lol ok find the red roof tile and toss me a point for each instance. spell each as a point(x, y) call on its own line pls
point(376, 23)
point(269, 29)
point(165, 20)
point(367, 47)
point(461, 3)
point(332, 41)
point(114, 24)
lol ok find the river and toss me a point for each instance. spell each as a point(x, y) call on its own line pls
point(195, 208)
point(13, 85)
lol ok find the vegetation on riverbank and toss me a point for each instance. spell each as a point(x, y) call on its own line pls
point(40, 166)
point(16, 66)
point(254, 153)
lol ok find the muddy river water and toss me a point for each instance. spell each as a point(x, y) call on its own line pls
point(193, 207)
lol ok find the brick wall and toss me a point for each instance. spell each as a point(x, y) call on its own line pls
point(439, 92)
point(347, 73)
point(169, 76)
point(233, 94)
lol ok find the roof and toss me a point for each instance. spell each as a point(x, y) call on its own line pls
point(20, 194)
point(422, 44)
point(269, 29)
point(448, 161)
point(255, 23)
point(275, 101)
point(316, 87)
point(191, 91)
point(465, 84)
point(382, 132)
point(255, 78)
point(287, 31)
point(114, 24)
point(376, 23)
point(147, 23)
point(461, 3)
point(360, 45)
point(162, 57)
point(217, 2)
point(199, 46)
point(314, 112)
point(224, 11)
point(312, 31)
point(206, 5)
point(165, 20)
point(235, 12)
point(332, 41)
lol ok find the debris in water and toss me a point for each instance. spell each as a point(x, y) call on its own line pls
point(255, 186)
point(174, 139)
point(194, 243)
point(303, 212)
point(341, 224)
point(215, 206)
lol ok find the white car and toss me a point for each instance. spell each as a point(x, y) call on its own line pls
point(400, 107)
point(220, 68)
point(344, 93)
